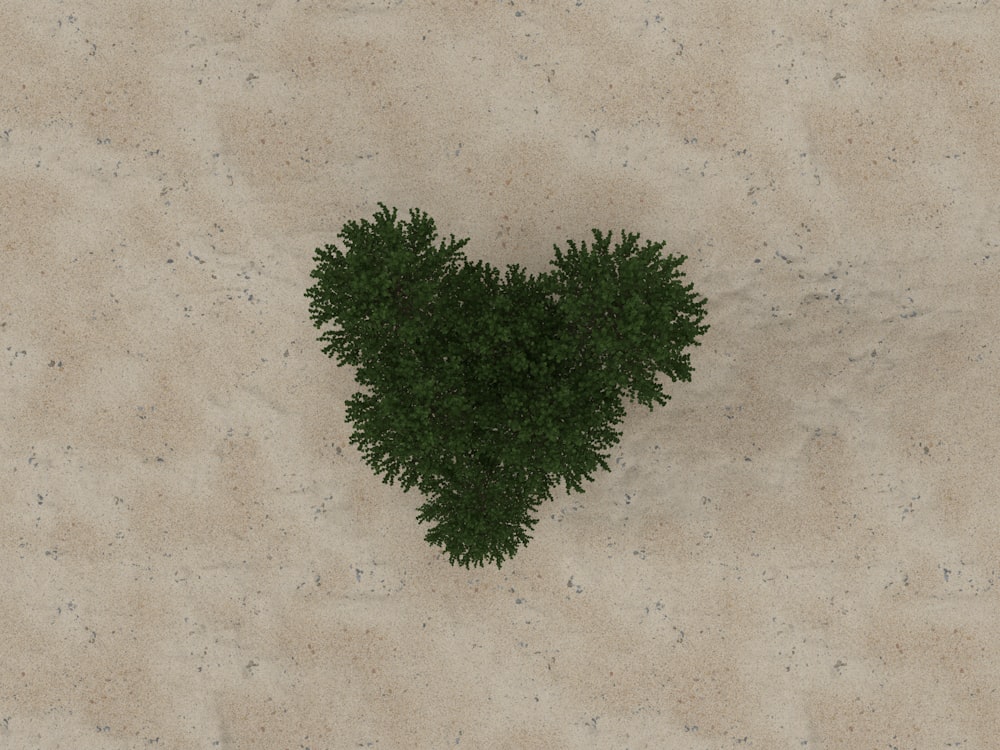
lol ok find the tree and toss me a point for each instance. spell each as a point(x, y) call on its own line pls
point(485, 393)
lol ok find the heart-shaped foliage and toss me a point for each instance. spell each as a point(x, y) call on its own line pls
point(485, 393)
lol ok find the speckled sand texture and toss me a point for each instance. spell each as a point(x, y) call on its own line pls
point(800, 550)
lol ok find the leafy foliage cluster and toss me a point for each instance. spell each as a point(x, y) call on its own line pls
point(486, 392)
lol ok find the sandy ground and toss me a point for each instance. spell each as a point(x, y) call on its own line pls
point(798, 551)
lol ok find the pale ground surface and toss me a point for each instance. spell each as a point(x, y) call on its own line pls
point(798, 551)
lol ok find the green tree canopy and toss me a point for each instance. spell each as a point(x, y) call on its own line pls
point(486, 392)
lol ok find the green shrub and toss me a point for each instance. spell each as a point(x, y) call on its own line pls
point(485, 393)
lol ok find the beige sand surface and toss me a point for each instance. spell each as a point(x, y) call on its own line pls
point(799, 551)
